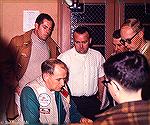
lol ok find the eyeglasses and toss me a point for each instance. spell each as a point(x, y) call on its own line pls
point(122, 41)
point(105, 83)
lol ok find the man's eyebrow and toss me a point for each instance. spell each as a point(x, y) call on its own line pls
point(114, 44)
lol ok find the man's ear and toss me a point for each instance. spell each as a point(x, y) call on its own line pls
point(141, 34)
point(36, 25)
point(90, 40)
point(116, 86)
point(45, 76)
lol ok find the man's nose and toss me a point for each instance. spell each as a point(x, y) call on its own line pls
point(62, 82)
point(116, 48)
point(126, 44)
point(48, 31)
point(81, 45)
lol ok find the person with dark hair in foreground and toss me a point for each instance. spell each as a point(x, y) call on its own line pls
point(132, 36)
point(126, 74)
point(47, 99)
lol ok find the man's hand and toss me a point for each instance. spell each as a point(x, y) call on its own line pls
point(86, 120)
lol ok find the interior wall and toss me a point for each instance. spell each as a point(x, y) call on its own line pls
point(11, 16)
point(64, 36)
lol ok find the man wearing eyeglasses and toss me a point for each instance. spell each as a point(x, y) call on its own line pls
point(132, 36)
point(128, 75)
point(86, 73)
point(118, 47)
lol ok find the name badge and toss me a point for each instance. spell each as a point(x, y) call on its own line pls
point(44, 99)
point(44, 111)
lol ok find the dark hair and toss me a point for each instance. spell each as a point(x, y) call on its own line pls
point(116, 34)
point(82, 29)
point(129, 69)
point(42, 16)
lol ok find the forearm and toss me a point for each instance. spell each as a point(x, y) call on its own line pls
point(100, 88)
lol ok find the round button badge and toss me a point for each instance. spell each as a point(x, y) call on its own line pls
point(44, 99)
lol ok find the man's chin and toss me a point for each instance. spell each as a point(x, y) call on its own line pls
point(58, 90)
point(45, 38)
point(82, 52)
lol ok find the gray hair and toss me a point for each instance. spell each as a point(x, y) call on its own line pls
point(134, 24)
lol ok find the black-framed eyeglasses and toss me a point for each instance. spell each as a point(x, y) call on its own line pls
point(105, 82)
point(123, 41)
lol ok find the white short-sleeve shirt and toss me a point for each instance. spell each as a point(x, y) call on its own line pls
point(84, 71)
